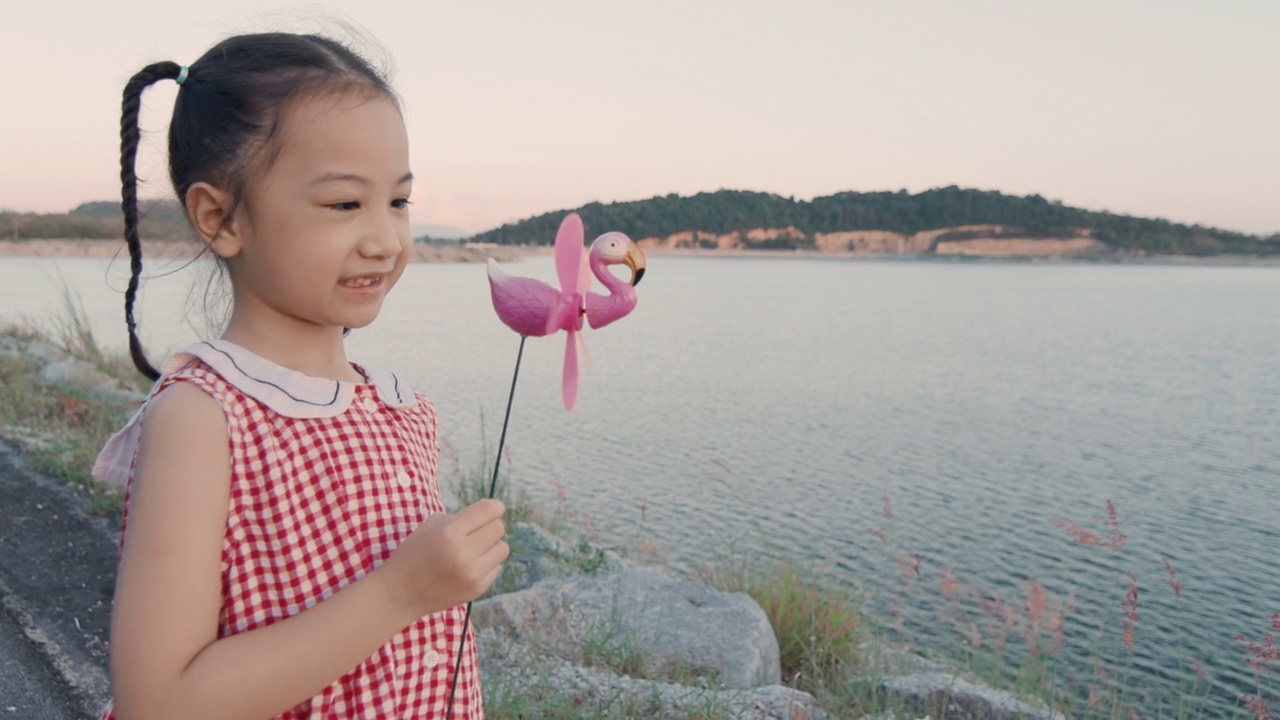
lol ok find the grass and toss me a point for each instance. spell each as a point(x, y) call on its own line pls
point(820, 626)
point(825, 637)
point(61, 426)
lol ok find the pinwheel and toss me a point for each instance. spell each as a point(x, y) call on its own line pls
point(534, 308)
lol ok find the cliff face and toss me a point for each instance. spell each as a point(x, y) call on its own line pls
point(873, 241)
point(992, 240)
point(1025, 247)
point(697, 239)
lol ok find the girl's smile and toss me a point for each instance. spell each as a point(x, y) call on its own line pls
point(367, 283)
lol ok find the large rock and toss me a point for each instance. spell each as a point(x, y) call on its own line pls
point(944, 695)
point(74, 372)
point(16, 348)
point(642, 622)
point(42, 351)
point(116, 395)
point(82, 375)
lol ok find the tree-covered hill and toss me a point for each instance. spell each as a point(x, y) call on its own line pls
point(160, 220)
point(727, 211)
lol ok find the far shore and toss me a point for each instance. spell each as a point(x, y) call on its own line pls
point(1222, 259)
point(181, 250)
point(452, 253)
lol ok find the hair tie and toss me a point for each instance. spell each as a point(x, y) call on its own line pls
point(182, 74)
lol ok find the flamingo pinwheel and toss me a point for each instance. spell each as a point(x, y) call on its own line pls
point(532, 307)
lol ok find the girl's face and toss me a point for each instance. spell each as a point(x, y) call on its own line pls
point(325, 231)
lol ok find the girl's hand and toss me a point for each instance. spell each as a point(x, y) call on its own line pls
point(447, 560)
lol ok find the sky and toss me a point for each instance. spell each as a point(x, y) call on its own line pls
point(1161, 108)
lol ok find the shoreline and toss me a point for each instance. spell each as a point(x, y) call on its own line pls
point(1108, 259)
point(188, 250)
point(433, 253)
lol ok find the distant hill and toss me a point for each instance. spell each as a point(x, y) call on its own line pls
point(942, 219)
point(160, 210)
point(160, 220)
point(432, 232)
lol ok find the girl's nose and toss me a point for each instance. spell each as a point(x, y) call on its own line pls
point(383, 237)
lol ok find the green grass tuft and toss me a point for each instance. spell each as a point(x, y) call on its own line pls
point(62, 427)
point(820, 626)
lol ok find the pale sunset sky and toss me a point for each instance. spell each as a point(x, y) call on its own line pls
point(1164, 108)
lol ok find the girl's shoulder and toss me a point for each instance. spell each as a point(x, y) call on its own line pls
point(196, 373)
point(204, 391)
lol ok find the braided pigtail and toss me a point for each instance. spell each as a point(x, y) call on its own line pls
point(130, 135)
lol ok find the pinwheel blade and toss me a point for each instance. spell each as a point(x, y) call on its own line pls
point(569, 248)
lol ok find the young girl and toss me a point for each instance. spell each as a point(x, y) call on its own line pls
point(286, 553)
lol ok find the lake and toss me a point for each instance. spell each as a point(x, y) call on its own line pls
point(752, 402)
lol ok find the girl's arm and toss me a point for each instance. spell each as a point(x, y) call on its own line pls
point(166, 658)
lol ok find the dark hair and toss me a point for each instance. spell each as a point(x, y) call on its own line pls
point(227, 112)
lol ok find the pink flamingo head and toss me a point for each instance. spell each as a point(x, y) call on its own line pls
point(615, 248)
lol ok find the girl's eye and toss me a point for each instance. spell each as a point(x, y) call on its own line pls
point(400, 203)
point(345, 206)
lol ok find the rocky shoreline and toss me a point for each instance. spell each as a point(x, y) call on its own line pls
point(678, 646)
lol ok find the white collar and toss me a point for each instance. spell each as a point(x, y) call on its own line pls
point(289, 392)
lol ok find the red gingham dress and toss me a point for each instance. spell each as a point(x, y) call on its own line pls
point(327, 477)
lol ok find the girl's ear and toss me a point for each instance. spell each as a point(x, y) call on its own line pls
point(209, 209)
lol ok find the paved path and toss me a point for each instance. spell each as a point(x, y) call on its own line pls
point(57, 575)
point(30, 687)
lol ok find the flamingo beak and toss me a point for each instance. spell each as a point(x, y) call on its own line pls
point(634, 259)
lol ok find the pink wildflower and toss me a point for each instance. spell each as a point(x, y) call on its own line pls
point(1172, 581)
point(1130, 606)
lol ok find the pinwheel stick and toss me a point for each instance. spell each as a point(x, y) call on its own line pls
point(493, 487)
point(506, 419)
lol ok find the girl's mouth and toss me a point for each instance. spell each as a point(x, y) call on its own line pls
point(362, 282)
